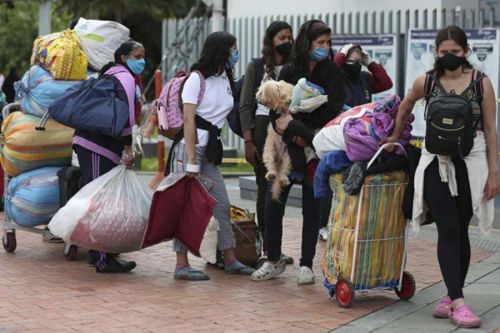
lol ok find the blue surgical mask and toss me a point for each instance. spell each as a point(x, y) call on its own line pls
point(234, 57)
point(136, 66)
point(319, 53)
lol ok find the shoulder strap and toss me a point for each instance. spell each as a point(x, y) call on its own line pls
point(259, 73)
point(202, 86)
point(477, 85)
point(428, 86)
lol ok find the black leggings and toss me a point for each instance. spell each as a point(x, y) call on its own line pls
point(452, 216)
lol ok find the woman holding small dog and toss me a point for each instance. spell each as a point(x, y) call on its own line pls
point(311, 61)
point(276, 52)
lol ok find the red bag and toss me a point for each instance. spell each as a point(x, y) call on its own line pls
point(181, 209)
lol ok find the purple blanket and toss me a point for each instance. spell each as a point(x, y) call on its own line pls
point(364, 135)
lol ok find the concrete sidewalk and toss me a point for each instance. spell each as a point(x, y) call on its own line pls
point(482, 292)
point(42, 292)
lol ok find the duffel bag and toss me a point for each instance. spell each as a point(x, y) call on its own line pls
point(61, 54)
point(25, 148)
point(33, 197)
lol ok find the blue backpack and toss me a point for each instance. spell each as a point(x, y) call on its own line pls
point(96, 105)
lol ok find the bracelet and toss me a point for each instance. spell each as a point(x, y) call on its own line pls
point(192, 168)
point(248, 141)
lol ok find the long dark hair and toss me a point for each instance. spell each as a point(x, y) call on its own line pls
point(457, 35)
point(268, 50)
point(215, 55)
point(125, 49)
point(308, 32)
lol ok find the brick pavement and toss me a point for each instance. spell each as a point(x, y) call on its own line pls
point(42, 292)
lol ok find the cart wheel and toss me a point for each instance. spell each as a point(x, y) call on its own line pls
point(344, 293)
point(407, 287)
point(70, 252)
point(9, 241)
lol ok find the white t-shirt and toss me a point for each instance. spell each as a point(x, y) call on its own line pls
point(216, 103)
point(263, 110)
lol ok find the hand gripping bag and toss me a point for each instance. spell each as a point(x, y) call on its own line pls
point(109, 214)
point(33, 197)
point(25, 148)
point(37, 90)
point(100, 39)
point(60, 54)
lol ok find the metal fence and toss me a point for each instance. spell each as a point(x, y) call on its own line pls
point(249, 32)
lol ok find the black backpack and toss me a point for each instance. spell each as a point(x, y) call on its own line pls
point(450, 129)
point(233, 118)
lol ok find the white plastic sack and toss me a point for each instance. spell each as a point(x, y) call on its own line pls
point(331, 137)
point(100, 39)
point(208, 246)
point(109, 214)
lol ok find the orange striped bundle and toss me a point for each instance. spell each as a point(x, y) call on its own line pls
point(24, 148)
point(380, 247)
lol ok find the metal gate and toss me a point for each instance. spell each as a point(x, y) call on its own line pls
point(183, 38)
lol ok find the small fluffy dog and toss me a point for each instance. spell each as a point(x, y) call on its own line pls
point(277, 96)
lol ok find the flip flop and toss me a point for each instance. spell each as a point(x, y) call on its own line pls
point(190, 274)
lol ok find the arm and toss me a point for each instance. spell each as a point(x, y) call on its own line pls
point(247, 113)
point(190, 137)
point(379, 80)
point(490, 133)
point(405, 108)
point(336, 97)
point(340, 59)
point(247, 100)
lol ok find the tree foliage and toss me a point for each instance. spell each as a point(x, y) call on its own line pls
point(19, 24)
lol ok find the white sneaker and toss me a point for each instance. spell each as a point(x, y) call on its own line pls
point(269, 271)
point(323, 234)
point(306, 276)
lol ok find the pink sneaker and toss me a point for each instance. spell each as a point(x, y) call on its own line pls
point(443, 308)
point(464, 317)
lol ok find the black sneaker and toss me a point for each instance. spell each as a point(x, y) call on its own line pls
point(114, 265)
point(92, 257)
point(287, 259)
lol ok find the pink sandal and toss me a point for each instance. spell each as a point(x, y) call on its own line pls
point(443, 308)
point(464, 317)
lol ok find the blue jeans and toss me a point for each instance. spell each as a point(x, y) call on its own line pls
point(275, 210)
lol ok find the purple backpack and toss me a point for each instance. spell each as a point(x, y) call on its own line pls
point(169, 104)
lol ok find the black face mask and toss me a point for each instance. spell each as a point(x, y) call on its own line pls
point(352, 70)
point(284, 49)
point(450, 61)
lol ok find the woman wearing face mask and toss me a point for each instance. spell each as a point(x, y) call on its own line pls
point(360, 85)
point(98, 154)
point(311, 61)
point(276, 51)
point(200, 150)
point(476, 175)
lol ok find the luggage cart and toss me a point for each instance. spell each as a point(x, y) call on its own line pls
point(9, 240)
point(367, 242)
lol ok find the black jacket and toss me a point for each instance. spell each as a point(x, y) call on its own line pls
point(330, 77)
